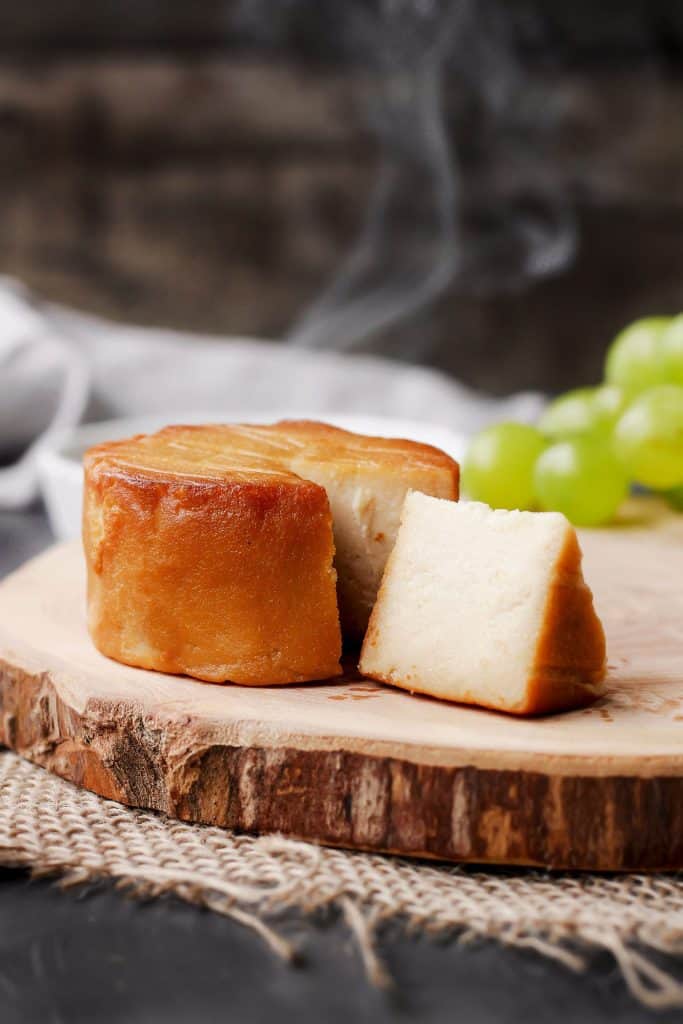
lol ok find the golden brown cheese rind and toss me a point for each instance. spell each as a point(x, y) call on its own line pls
point(210, 548)
point(220, 581)
point(571, 655)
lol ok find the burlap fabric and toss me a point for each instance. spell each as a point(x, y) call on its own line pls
point(51, 826)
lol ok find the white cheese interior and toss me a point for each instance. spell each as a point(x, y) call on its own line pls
point(366, 510)
point(463, 600)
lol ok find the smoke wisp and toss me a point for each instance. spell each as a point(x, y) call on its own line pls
point(462, 196)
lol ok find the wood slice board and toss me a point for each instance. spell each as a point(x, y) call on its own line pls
point(360, 765)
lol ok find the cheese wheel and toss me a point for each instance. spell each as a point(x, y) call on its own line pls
point(210, 550)
point(486, 607)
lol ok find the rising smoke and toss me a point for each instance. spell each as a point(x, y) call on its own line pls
point(462, 196)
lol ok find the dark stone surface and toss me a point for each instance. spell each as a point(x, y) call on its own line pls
point(99, 956)
point(84, 955)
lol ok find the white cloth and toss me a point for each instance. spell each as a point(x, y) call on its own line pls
point(58, 367)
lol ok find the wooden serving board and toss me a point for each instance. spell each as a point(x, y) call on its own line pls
point(357, 764)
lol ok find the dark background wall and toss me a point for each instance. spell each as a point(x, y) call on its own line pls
point(208, 165)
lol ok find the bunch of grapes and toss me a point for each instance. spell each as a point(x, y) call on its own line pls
point(591, 444)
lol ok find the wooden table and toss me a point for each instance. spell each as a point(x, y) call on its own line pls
point(75, 957)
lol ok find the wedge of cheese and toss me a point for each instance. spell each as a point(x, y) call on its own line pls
point(211, 550)
point(486, 607)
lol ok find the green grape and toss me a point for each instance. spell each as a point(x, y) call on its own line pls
point(675, 497)
point(499, 465)
point(634, 359)
point(649, 438)
point(583, 412)
point(672, 350)
point(581, 478)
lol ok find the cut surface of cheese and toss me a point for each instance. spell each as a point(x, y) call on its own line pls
point(211, 552)
point(486, 607)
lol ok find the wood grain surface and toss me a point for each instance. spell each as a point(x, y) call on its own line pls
point(224, 192)
point(356, 764)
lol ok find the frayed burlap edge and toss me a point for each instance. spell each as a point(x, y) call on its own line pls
point(51, 827)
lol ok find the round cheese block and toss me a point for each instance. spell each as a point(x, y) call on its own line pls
point(211, 550)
